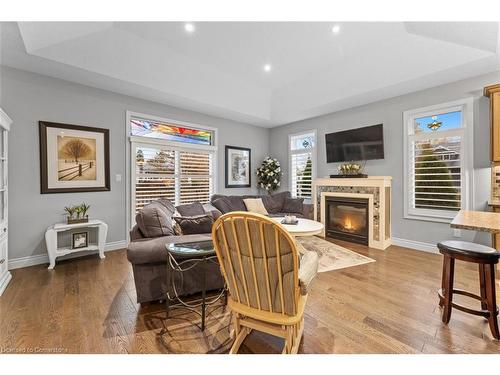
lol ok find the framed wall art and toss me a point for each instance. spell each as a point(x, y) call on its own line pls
point(238, 167)
point(73, 158)
point(79, 240)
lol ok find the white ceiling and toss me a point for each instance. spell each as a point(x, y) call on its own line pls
point(218, 69)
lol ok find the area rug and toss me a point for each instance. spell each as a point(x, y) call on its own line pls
point(332, 256)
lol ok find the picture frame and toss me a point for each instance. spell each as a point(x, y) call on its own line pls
point(73, 158)
point(238, 167)
point(79, 240)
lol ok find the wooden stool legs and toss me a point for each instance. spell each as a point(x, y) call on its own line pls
point(447, 287)
point(487, 296)
point(482, 287)
point(491, 298)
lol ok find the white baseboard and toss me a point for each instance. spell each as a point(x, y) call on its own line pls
point(416, 245)
point(34, 260)
point(4, 281)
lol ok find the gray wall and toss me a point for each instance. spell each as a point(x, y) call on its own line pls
point(28, 98)
point(390, 113)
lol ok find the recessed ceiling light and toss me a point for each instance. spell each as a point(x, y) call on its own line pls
point(336, 29)
point(189, 27)
point(267, 68)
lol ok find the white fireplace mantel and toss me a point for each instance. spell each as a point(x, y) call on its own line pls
point(376, 188)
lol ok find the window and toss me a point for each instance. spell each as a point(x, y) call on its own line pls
point(438, 160)
point(170, 160)
point(302, 156)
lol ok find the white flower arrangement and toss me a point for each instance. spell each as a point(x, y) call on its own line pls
point(269, 174)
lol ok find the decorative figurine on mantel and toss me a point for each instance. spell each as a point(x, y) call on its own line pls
point(77, 213)
point(351, 169)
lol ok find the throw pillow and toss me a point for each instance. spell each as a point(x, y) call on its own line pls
point(191, 209)
point(274, 202)
point(155, 219)
point(222, 204)
point(195, 224)
point(293, 206)
point(255, 205)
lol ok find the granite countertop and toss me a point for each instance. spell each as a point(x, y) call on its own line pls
point(477, 220)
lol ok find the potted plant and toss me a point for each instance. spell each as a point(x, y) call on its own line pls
point(269, 175)
point(77, 213)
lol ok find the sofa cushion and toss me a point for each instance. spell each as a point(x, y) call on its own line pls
point(153, 250)
point(191, 209)
point(255, 205)
point(195, 224)
point(294, 206)
point(155, 219)
point(274, 203)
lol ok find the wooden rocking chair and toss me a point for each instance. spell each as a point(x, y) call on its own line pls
point(260, 263)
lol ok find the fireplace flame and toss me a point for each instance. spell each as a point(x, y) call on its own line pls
point(348, 223)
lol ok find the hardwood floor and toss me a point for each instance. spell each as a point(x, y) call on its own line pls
point(389, 306)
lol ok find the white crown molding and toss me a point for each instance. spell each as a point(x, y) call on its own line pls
point(34, 260)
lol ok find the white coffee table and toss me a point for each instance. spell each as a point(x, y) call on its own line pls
point(305, 227)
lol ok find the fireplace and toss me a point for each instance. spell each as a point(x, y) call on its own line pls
point(347, 219)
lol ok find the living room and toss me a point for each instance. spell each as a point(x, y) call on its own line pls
point(193, 187)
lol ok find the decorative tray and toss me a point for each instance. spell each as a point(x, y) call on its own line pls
point(290, 223)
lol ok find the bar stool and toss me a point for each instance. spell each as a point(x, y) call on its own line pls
point(486, 257)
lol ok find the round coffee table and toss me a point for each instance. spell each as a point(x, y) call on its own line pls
point(304, 227)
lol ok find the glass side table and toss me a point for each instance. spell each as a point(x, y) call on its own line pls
point(183, 257)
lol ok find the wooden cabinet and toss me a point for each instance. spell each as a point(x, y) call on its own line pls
point(495, 237)
point(5, 275)
point(493, 92)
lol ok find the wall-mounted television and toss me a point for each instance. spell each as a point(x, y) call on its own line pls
point(365, 143)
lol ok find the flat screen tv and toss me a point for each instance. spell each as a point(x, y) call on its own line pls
point(365, 143)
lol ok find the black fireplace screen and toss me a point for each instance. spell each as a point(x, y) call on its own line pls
point(347, 219)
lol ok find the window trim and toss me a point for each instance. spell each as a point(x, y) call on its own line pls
point(133, 141)
point(467, 158)
point(314, 152)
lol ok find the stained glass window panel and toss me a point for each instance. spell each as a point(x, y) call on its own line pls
point(170, 132)
point(438, 122)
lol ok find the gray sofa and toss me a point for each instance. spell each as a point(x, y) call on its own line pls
point(147, 248)
point(277, 204)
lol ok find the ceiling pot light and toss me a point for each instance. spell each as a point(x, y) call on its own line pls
point(267, 68)
point(336, 29)
point(189, 27)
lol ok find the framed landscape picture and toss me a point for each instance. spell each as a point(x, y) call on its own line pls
point(73, 158)
point(238, 167)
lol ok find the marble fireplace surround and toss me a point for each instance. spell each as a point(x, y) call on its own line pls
point(376, 188)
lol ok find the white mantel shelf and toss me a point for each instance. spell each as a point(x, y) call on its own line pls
point(380, 238)
point(363, 181)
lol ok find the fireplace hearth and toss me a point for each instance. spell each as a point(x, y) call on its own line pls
point(347, 219)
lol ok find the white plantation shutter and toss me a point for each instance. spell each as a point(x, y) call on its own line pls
point(438, 160)
point(166, 172)
point(436, 172)
point(302, 150)
point(195, 177)
point(301, 182)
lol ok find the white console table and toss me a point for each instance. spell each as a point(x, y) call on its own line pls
point(55, 251)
